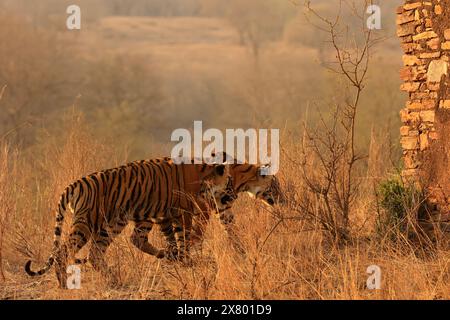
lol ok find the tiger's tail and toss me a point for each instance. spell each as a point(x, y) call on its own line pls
point(57, 235)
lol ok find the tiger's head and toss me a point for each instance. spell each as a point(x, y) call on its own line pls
point(253, 180)
point(217, 187)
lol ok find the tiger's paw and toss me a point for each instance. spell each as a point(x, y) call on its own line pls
point(171, 254)
point(187, 261)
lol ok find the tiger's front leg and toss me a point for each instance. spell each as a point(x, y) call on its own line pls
point(140, 239)
point(171, 249)
point(182, 237)
point(100, 243)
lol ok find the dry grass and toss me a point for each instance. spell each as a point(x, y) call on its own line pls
point(283, 260)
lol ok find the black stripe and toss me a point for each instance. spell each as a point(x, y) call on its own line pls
point(80, 234)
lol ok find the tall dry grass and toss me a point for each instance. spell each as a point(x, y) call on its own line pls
point(288, 258)
point(8, 172)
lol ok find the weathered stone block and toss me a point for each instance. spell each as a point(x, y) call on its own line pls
point(421, 47)
point(409, 143)
point(411, 6)
point(423, 95)
point(434, 44)
point(430, 55)
point(427, 116)
point(423, 139)
point(406, 39)
point(409, 47)
point(410, 60)
point(428, 104)
point(407, 74)
point(425, 35)
point(445, 45)
point(433, 135)
point(414, 105)
point(417, 15)
point(406, 29)
point(409, 117)
point(438, 9)
point(436, 69)
point(444, 104)
point(410, 86)
point(405, 18)
point(447, 34)
point(404, 130)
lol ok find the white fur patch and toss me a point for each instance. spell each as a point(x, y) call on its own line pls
point(251, 195)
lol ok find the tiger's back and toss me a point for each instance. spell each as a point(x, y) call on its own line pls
point(126, 189)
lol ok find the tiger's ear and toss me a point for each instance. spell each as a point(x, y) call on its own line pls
point(220, 169)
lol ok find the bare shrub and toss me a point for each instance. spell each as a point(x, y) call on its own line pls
point(330, 147)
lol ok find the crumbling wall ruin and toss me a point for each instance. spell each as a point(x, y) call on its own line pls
point(424, 32)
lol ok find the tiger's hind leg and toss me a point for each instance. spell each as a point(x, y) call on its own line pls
point(139, 238)
point(77, 239)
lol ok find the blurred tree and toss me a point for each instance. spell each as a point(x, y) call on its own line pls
point(121, 7)
point(258, 21)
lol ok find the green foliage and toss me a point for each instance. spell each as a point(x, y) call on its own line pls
point(400, 206)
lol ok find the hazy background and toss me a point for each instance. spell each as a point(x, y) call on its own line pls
point(140, 69)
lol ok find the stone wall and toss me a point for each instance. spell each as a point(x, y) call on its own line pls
point(424, 32)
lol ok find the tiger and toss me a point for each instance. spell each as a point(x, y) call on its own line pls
point(147, 192)
point(245, 178)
